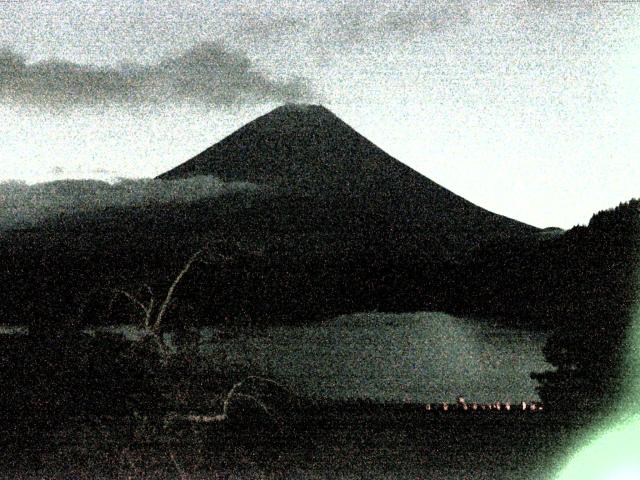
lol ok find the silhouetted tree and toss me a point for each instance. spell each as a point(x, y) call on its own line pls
point(588, 345)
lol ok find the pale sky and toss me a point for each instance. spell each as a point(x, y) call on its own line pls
point(528, 108)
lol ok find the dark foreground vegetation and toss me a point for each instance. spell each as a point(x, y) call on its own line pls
point(591, 346)
point(83, 406)
point(80, 405)
point(309, 440)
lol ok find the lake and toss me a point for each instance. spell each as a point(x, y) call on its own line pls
point(421, 357)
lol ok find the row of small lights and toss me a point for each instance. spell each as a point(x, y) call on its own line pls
point(497, 406)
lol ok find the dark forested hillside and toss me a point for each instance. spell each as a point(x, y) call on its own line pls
point(287, 256)
point(601, 288)
point(548, 279)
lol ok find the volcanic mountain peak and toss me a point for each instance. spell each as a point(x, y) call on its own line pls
point(298, 144)
point(293, 120)
point(302, 108)
point(306, 149)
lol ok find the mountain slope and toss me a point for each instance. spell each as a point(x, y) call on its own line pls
point(307, 149)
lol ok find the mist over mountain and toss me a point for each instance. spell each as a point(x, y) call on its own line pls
point(25, 206)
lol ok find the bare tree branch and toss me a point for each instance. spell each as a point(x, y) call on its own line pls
point(205, 418)
point(232, 393)
point(272, 382)
point(229, 397)
point(147, 318)
point(162, 347)
point(134, 300)
point(151, 326)
point(172, 288)
point(258, 402)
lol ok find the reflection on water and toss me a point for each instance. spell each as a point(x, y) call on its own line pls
point(421, 357)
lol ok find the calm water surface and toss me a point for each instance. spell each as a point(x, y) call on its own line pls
point(426, 357)
point(422, 357)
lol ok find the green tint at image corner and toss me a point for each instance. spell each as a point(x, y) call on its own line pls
point(613, 451)
point(612, 455)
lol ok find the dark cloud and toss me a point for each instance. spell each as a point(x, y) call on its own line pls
point(397, 21)
point(208, 74)
point(23, 205)
point(423, 19)
point(271, 28)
